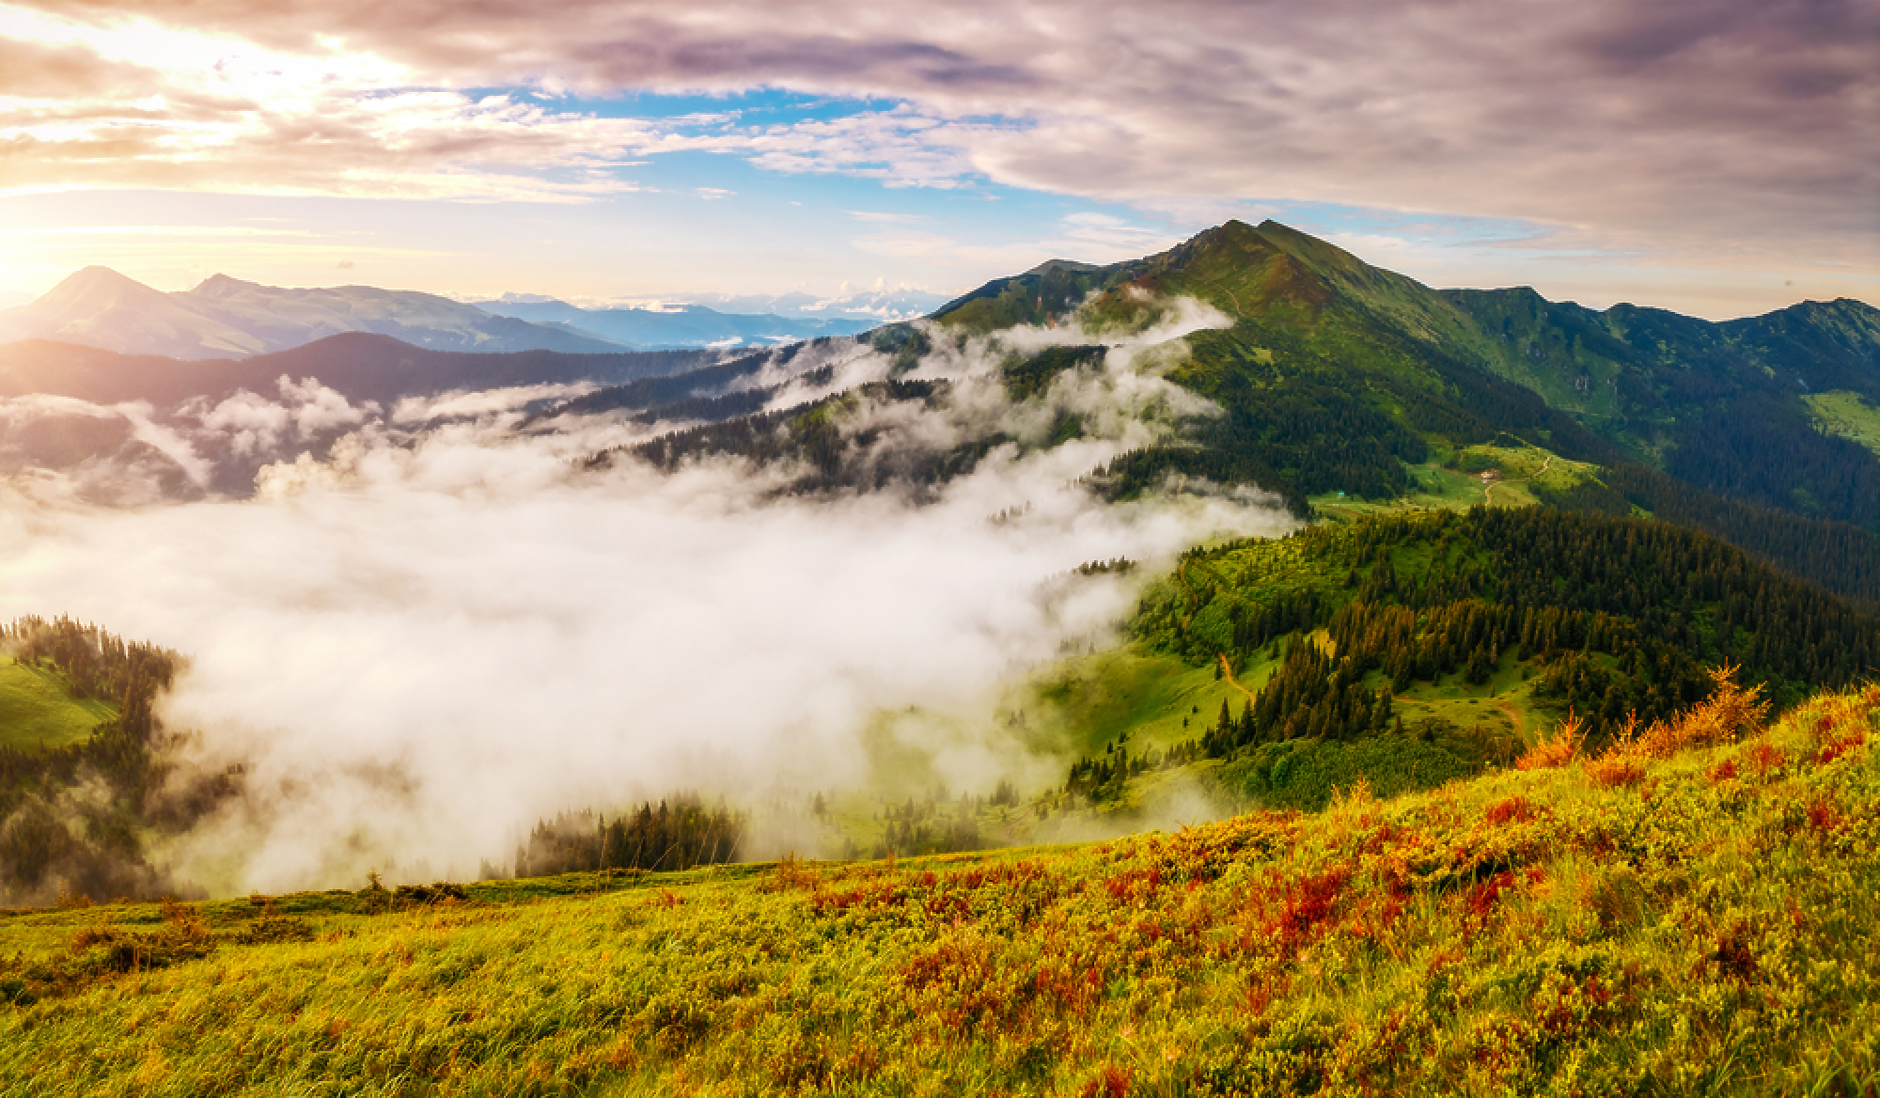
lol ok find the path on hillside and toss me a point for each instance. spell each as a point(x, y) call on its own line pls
point(1514, 714)
point(1181, 573)
point(1490, 487)
point(1230, 295)
point(1227, 671)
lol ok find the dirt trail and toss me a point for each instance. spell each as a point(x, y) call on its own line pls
point(1181, 573)
point(1490, 487)
point(1230, 295)
point(1514, 714)
point(1227, 672)
point(1227, 669)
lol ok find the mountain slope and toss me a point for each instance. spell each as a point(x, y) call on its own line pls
point(99, 307)
point(286, 318)
point(359, 365)
point(1343, 381)
point(1721, 406)
point(1692, 920)
point(228, 318)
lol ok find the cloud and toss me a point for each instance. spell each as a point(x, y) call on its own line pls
point(422, 642)
point(35, 71)
point(1662, 123)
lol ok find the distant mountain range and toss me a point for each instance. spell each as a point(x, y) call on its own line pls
point(679, 326)
point(228, 318)
point(1339, 382)
point(359, 366)
point(869, 306)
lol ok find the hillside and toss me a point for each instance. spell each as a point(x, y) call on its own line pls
point(359, 366)
point(1409, 649)
point(1667, 917)
point(1337, 374)
point(87, 775)
point(37, 709)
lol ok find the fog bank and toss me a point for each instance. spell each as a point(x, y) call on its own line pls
point(424, 642)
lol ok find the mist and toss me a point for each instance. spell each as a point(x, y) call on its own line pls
point(419, 641)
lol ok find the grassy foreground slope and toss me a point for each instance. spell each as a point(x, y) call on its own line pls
point(1665, 918)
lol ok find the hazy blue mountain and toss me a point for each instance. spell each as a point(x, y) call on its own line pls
point(869, 306)
point(677, 326)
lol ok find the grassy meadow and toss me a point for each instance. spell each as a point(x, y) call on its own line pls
point(37, 709)
point(1689, 911)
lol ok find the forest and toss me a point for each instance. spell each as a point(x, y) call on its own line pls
point(1617, 622)
point(93, 845)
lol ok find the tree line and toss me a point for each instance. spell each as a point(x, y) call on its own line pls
point(94, 845)
point(1614, 617)
point(681, 832)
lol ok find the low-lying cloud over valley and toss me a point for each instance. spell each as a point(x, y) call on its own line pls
point(425, 634)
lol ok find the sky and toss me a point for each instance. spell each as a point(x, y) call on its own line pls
point(1717, 157)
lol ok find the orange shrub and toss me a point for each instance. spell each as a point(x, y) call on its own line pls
point(1724, 717)
point(1557, 749)
point(1620, 767)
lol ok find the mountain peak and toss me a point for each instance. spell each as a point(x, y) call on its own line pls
point(221, 285)
point(97, 287)
point(1070, 265)
point(94, 277)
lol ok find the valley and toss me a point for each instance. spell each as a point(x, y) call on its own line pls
point(1242, 653)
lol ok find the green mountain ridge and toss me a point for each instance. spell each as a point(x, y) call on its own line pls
point(1652, 385)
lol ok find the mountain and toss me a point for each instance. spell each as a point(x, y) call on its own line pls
point(358, 365)
point(99, 307)
point(681, 326)
point(1344, 387)
point(228, 318)
point(1338, 374)
point(135, 427)
point(287, 318)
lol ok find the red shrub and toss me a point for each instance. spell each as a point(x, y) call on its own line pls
point(1134, 885)
point(1824, 816)
point(1839, 746)
point(1514, 809)
point(1616, 768)
point(1765, 756)
point(1111, 1082)
point(1308, 904)
point(1480, 900)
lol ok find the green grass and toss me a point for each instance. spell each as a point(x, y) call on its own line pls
point(1088, 703)
point(1698, 924)
point(1458, 485)
point(37, 712)
point(1847, 415)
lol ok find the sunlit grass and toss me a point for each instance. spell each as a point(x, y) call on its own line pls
point(1703, 926)
point(37, 709)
